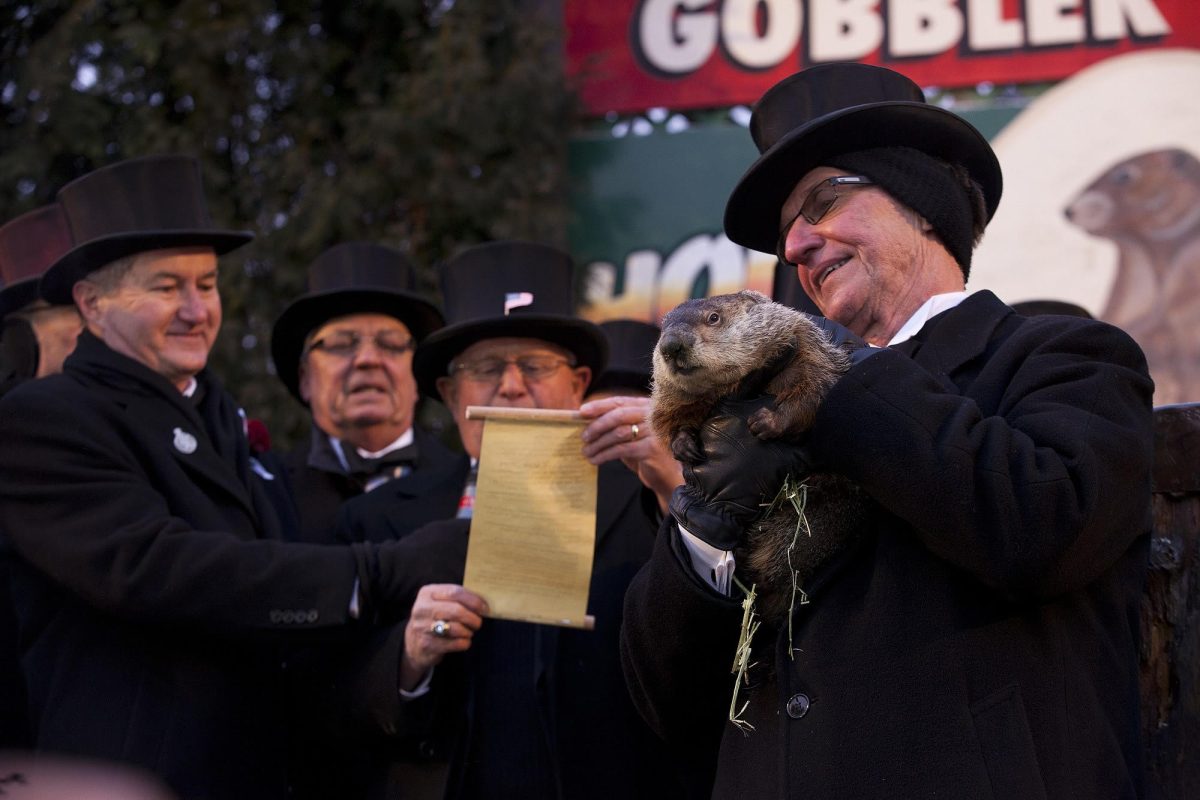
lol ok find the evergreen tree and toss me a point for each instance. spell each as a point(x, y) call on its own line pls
point(423, 124)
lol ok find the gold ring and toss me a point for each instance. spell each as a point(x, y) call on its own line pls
point(440, 629)
point(633, 429)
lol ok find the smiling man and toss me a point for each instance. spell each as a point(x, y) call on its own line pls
point(345, 350)
point(980, 636)
point(156, 594)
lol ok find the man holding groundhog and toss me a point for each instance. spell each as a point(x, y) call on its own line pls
point(979, 639)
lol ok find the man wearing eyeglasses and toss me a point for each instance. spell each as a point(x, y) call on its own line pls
point(345, 350)
point(979, 636)
point(507, 709)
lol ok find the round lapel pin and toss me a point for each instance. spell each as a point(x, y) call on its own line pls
point(184, 442)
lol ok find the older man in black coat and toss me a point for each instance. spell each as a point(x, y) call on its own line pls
point(979, 637)
point(345, 350)
point(153, 585)
point(495, 708)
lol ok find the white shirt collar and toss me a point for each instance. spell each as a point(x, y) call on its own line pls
point(190, 389)
point(403, 440)
point(929, 309)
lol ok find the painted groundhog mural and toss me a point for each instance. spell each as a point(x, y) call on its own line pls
point(1148, 205)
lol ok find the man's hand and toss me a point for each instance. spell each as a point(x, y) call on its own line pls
point(620, 428)
point(739, 475)
point(444, 618)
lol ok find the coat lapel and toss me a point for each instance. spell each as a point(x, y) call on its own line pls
point(167, 420)
point(963, 334)
point(185, 437)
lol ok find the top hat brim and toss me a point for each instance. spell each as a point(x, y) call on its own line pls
point(17, 295)
point(753, 210)
point(313, 310)
point(582, 338)
point(83, 259)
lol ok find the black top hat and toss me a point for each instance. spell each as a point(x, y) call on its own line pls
point(132, 206)
point(516, 289)
point(28, 245)
point(631, 346)
point(834, 109)
point(349, 278)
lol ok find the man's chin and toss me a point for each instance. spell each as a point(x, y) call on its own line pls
point(367, 414)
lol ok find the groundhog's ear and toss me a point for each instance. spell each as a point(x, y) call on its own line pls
point(753, 297)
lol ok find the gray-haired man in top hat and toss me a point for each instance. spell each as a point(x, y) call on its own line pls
point(345, 350)
point(154, 585)
point(515, 709)
point(979, 636)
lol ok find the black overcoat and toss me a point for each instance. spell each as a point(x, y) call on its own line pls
point(152, 583)
point(575, 702)
point(982, 641)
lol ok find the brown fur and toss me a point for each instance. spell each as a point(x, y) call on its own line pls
point(743, 343)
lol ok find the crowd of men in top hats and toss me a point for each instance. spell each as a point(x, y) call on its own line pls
point(241, 624)
point(195, 608)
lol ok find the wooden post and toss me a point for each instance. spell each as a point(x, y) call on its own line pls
point(1170, 657)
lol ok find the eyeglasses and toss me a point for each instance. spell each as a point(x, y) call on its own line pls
point(491, 370)
point(817, 205)
point(346, 344)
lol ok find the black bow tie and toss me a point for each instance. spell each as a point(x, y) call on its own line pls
point(394, 464)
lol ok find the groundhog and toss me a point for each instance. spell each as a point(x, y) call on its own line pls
point(743, 344)
point(1148, 205)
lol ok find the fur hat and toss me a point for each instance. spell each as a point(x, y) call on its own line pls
point(503, 289)
point(349, 278)
point(133, 206)
point(823, 112)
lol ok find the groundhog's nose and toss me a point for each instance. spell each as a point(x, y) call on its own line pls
point(671, 347)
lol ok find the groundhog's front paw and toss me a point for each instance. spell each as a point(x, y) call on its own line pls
point(765, 424)
point(685, 446)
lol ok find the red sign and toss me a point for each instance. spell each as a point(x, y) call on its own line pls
point(630, 55)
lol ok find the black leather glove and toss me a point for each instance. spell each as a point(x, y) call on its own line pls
point(855, 346)
point(391, 573)
point(723, 494)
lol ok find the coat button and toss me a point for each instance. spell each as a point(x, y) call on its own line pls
point(797, 706)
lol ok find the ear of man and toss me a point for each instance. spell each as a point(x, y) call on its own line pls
point(87, 296)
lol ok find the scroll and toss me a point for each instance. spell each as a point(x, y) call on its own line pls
point(533, 530)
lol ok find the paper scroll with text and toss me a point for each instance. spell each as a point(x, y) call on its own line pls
point(533, 532)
